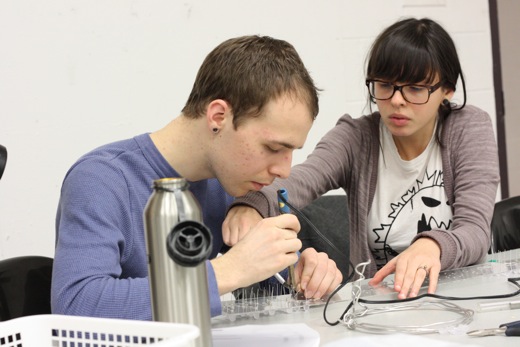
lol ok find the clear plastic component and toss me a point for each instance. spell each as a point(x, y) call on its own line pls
point(267, 302)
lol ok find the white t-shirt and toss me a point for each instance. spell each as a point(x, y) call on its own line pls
point(409, 198)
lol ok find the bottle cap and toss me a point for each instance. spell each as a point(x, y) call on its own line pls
point(189, 243)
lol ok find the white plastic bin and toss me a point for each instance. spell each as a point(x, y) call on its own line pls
point(71, 331)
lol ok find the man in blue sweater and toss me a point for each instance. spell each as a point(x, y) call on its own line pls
point(253, 102)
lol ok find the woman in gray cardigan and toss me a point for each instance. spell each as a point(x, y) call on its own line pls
point(421, 173)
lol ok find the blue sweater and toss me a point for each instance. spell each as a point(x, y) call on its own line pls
point(100, 266)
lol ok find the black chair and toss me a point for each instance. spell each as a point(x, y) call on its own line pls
point(329, 214)
point(505, 225)
point(3, 159)
point(25, 286)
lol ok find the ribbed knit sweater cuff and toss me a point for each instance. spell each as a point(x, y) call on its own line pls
point(255, 200)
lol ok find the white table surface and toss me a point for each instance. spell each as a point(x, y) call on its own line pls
point(485, 285)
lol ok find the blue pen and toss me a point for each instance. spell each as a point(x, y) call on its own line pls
point(282, 206)
point(282, 198)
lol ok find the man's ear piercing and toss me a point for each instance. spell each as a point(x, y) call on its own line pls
point(215, 130)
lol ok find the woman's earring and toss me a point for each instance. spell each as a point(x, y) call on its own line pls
point(215, 130)
point(445, 108)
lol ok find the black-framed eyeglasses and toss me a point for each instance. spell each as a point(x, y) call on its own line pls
point(413, 93)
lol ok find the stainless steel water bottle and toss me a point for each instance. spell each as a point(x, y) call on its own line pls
point(177, 245)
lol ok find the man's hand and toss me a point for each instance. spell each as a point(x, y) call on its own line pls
point(316, 274)
point(239, 221)
point(269, 247)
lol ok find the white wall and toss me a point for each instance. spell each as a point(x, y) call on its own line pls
point(78, 74)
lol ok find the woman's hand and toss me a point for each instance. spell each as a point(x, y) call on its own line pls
point(411, 268)
point(239, 221)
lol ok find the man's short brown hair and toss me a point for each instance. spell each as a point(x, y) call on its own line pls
point(248, 72)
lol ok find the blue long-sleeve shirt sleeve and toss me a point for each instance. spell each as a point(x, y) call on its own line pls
point(100, 264)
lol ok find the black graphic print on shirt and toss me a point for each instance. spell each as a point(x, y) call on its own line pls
point(421, 208)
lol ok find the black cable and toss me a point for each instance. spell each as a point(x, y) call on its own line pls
point(327, 304)
point(315, 229)
point(513, 280)
point(453, 298)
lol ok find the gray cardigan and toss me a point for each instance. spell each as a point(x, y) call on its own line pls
point(347, 157)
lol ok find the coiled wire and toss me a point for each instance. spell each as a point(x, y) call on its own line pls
point(360, 310)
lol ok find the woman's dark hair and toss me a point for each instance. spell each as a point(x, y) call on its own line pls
point(417, 50)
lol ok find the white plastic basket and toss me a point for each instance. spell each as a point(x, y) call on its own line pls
point(71, 331)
